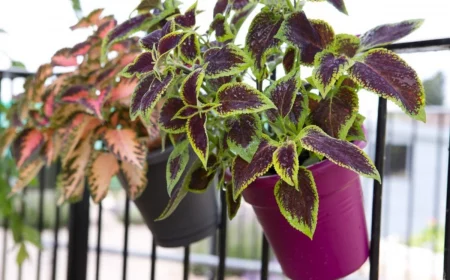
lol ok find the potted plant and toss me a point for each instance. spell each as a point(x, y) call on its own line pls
point(292, 144)
point(80, 118)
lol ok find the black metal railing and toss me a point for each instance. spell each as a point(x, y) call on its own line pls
point(217, 260)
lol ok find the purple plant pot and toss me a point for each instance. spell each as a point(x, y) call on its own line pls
point(340, 243)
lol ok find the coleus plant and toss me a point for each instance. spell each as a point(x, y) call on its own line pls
point(80, 119)
point(280, 125)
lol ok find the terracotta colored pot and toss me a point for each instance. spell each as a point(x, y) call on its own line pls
point(340, 243)
point(195, 218)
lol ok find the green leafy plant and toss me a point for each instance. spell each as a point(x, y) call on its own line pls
point(281, 125)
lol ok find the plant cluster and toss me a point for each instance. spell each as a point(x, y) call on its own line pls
point(281, 124)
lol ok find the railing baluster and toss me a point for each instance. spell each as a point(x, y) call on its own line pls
point(99, 241)
point(153, 260)
point(378, 190)
point(22, 216)
point(57, 170)
point(125, 238)
point(186, 263)
point(437, 184)
point(42, 184)
point(265, 259)
point(5, 244)
point(222, 236)
point(447, 221)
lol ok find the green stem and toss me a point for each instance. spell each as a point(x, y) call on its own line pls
point(289, 3)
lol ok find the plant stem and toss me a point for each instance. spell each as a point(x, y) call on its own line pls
point(289, 3)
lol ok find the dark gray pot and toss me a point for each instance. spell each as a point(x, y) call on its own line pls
point(195, 218)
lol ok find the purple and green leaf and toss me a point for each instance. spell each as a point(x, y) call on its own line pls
point(336, 113)
point(151, 41)
point(300, 206)
point(168, 111)
point(142, 64)
point(299, 112)
point(328, 68)
point(385, 73)
point(176, 164)
point(170, 41)
point(147, 93)
point(244, 173)
point(388, 33)
point(190, 87)
point(285, 161)
point(240, 98)
point(356, 131)
point(198, 179)
point(241, 15)
point(189, 49)
point(198, 137)
point(226, 61)
point(177, 195)
point(233, 205)
point(289, 59)
point(282, 93)
point(346, 44)
point(340, 152)
point(188, 19)
point(221, 28)
point(243, 135)
point(261, 39)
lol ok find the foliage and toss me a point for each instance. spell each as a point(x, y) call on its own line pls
point(80, 118)
point(281, 124)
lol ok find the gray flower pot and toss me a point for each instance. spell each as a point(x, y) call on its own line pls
point(195, 218)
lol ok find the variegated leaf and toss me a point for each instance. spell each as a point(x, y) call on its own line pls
point(282, 93)
point(64, 57)
point(243, 135)
point(328, 68)
point(188, 19)
point(170, 41)
point(198, 136)
point(6, 139)
point(220, 7)
point(81, 94)
point(300, 206)
point(176, 197)
point(356, 131)
point(132, 25)
point(147, 93)
point(386, 74)
point(233, 205)
point(142, 65)
point(240, 98)
point(101, 168)
point(346, 44)
point(124, 144)
point(105, 27)
point(27, 146)
point(245, 173)
point(285, 161)
point(198, 179)
point(289, 59)
point(190, 88)
point(123, 90)
point(91, 19)
point(341, 152)
point(166, 117)
point(146, 5)
point(52, 147)
point(221, 28)
point(176, 164)
point(151, 41)
point(27, 173)
point(226, 61)
point(81, 48)
point(189, 49)
point(136, 178)
point(261, 39)
point(388, 33)
point(241, 15)
point(336, 113)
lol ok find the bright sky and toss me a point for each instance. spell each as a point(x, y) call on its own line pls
point(36, 29)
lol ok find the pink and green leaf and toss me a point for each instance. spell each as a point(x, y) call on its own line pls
point(388, 33)
point(166, 117)
point(285, 161)
point(124, 144)
point(226, 61)
point(81, 48)
point(336, 113)
point(27, 173)
point(91, 19)
point(386, 74)
point(143, 64)
point(106, 27)
point(328, 68)
point(240, 98)
point(123, 90)
point(190, 87)
point(198, 179)
point(176, 164)
point(340, 152)
point(100, 170)
point(64, 57)
point(283, 91)
point(261, 38)
point(27, 146)
point(6, 139)
point(300, 206)
point(244, 173)
point(147, 93)
point(243, 135)
point(135, 178)
point(198, 136)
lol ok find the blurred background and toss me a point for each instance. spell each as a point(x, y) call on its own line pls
point(415, 169)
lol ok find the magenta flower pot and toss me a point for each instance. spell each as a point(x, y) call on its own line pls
point(340, 243)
